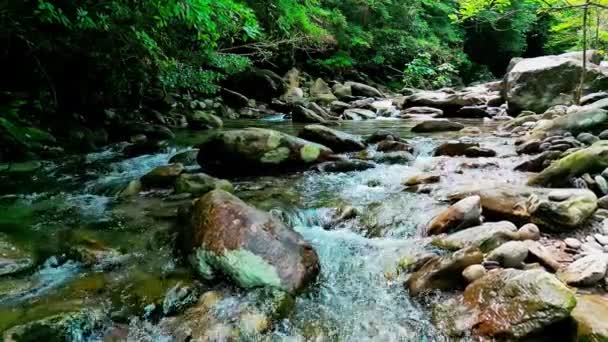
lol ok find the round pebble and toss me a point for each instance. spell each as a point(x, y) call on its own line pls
point(573, 243)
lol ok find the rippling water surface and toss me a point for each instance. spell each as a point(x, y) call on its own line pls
point(357, 297)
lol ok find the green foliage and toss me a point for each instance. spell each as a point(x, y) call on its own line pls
point(422, 73)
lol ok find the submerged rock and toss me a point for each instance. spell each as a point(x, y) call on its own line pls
point(437, 125)
point(13, 259)
point(507, 304)
point(444, 273)
point(251, 247)
point(162, 176)
point(257, 150)
point(199, 184)
point(463, 214)
point(336, 140)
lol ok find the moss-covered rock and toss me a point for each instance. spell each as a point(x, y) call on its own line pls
point(590, 315)
point(336, 140)
point(204, 120)
point(257, 150)
point(507, 304)
point(162, 176)
point(251, 247)
point(199, 184)
point(591, 160)
point(485, 237)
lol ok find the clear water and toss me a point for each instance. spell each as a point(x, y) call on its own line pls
point(357, 297)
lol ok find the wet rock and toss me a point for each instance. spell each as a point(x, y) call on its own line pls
point(251, 247)
point(336, 140)
point(162, 176)
point(557, 209)
point(359, 114)
point(429, 111)
point(186, 158)
point(479, 152)
point(486, 236)
point(204, 120)
point(360, 89)
point(529, 147)
point(339, 107)
point(449, 101)
point(437, 125)
point(320, 89)
point(346, 165)
point(132, 189)
point(342, 91)
point(70, 326)
point(589, 314)
point(586, 271)
point(539, 162)
point(454, 148)
point(305, 115)
point(399, 157)
point(394, 146)
point(463, 214)
point(13, 259)
point(379, 136)
point(510, 254)
point(443, 273)
point(257, 150)
point(179, 298)
point(422, 179)
point(507, 304)
point(602, 184)
point(320, 111)
point(473, 272)
point(557, 75)
point(199, 184)
point(587, 138)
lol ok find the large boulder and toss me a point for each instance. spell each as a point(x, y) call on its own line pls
point(305, 115)
point(507, 304)
point(590, 315)
point(538, 83)
point(443, 273)
point(556, 209)
point(589, 160)
point(360, 89)
point(463, 214)
point(257, 150)
point(336, 140)
point(227, 236)
point(449, 100)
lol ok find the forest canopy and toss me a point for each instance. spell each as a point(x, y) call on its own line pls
point(84, 55)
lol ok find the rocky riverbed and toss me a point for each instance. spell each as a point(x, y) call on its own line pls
point(392, 226)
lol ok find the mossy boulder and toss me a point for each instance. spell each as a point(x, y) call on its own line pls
point(590, 315)
point(257, 150)
point(554, 209)
point(507, 304)
point(204, 120)
point(336, 140)
point(228, 236)
point(592, 159)
point(162, 176)
point(485, 237)
point(199, 184)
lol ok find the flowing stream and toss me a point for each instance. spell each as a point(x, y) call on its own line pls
point(358, 296)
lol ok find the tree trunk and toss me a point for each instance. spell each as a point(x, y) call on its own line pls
point(579, 92)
